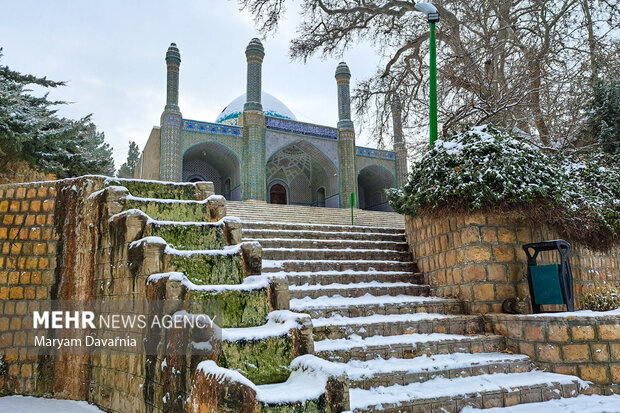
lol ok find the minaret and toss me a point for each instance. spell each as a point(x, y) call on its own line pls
point(346, 137)
point(171, 120)
point(399, 141)
point(253, 122)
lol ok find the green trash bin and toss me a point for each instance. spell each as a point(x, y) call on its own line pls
point(552, 283)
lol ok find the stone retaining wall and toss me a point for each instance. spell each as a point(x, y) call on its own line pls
point(52, 234)
point(28, 243)
point(588, 347)
point(479, 258)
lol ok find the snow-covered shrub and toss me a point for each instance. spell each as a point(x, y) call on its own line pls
point(603, 297)
point(487, 168)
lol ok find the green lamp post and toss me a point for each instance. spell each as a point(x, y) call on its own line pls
point(433, 17)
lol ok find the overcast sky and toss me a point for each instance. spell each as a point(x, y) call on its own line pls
point(112, 55)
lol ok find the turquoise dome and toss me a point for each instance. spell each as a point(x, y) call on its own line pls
point(271, 107)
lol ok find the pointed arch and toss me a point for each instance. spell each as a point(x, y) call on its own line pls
point(212, 161)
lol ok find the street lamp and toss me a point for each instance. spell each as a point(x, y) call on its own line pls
point(433, 17)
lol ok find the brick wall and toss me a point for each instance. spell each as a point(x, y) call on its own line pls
point(27, 262)
point(588, 347)
point(478, 258)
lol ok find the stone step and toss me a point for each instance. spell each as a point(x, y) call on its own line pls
point(338, 326)
point(332, 244)
point(358, 289)
point(293, 226)
point(254, 211)
point(583, 403)
point(321, 235)
point(382, 372)
point(330, 277)
point(369, 304)
point(355, 347)
point(452, 395)
point(335, 254)
point(270, 266)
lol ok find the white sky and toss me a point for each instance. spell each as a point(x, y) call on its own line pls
point(112, 55)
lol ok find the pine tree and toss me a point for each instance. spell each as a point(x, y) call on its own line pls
point(603, 122)
point(31, 131)
point(127, 169)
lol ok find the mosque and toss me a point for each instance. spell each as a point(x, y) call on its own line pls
point(257, 149)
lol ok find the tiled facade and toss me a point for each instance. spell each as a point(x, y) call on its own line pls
point(257, 138)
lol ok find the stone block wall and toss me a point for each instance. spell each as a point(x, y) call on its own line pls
point(588, 347)
point(479, 259)
point(28, 242)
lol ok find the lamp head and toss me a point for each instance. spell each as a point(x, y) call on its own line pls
point(431, 11)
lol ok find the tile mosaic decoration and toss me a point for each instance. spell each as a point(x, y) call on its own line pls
point(206, 127)
point(301, 128)
point(374, 153)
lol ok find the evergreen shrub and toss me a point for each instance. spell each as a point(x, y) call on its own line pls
point(486, 168)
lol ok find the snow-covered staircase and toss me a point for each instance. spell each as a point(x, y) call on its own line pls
point(257, 211)
point(402, 349)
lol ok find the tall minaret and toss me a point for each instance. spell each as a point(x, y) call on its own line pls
point(171, 120)
point(399, 141)
point(253, 121)
point(346, 137)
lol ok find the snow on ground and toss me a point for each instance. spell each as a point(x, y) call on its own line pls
point(41, 405)
point(579, 404)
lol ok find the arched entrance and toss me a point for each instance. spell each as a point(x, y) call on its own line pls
point(372, 182)
point(308, 176)
point(213, 162)
point(277, 194)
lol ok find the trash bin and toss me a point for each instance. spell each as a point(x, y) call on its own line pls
point(552, 283)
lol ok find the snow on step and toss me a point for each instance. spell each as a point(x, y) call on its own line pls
point(307, 303)
point(281, 263)
point(356, 341)
point(310, 232)
point(358, 369)
point(338, 320)
point(443, 387)
point(579, 404)
point(339, 286)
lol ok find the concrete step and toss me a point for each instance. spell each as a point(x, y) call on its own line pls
point(335, 254)
point(367, 305)
point(270, 266)
point(452, 395)
point(355, 347)
point(330, 277)
point(382, 372)
point(337, 326)
point(255, 211)
point(332, 244)
point(358, 289)
point(322, 235)
point(294, 226)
